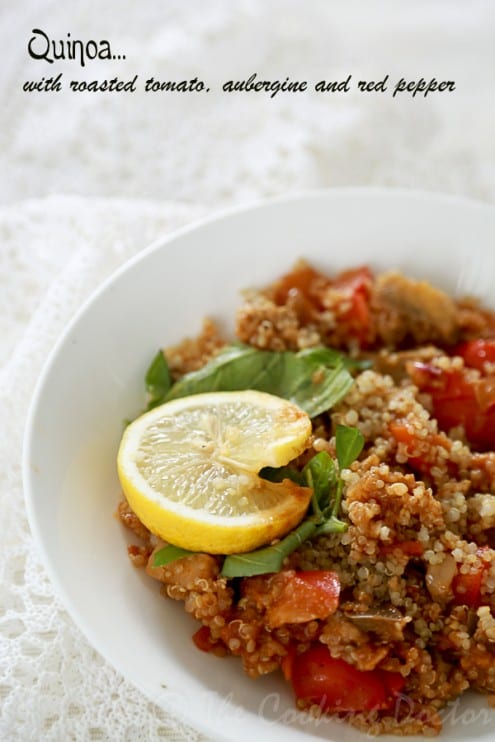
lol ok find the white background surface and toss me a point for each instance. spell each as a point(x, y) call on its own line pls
point(87, 180)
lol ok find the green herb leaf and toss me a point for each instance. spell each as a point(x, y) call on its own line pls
point(320, 475)
point(331, 357)
point(278, 474)
point(349, 443)
point(220, 374)
point(298, 377)
point(157, 380)
point(169, 554)
point(270, 558)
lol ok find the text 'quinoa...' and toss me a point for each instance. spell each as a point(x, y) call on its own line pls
point(320, 493)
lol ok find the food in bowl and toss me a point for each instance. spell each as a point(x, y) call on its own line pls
point(377, 604)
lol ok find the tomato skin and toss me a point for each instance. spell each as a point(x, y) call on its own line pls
point(476, 352)
point(336, 686)
point(409, 548)
point(305, 596)
point(294, 597)
point(467, 589)
point(304, 290)
point(357, 285)
point(393, 681)
point(458, 400)
point(419, 451)
point(202, 640)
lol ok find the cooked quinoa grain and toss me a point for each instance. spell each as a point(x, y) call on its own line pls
point(412, 613)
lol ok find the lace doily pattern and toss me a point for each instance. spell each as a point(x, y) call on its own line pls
point(53, 685)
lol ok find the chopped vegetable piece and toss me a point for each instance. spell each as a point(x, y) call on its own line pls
point(410, 548)
point(420, 452)
point(299, 596)
point(304, 289)
point(304, 597)
point(439, 578)
point(356, 285)
point(335, 685)
point(301, 289)
point(477, 353)
point(467, 586)
point(459, 400)
point(202, 639)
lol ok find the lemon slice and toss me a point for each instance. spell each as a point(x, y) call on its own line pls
point(189, 470)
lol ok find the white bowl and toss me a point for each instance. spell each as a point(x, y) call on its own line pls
point(94, 379)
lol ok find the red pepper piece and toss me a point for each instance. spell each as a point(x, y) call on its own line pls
point(337, 686)
point(476, 352)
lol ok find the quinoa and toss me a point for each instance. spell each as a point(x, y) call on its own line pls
point(416, 565)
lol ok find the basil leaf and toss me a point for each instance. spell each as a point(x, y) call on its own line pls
point(315, 389)
point(331, 357)
point(158, 380)
point(270, 558)
point(278, 474)
point(219, 374)
point(169, 554)
point(320, 475)
point(294, 376)
point(349, 443)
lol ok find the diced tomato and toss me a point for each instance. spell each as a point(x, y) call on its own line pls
point(476, 352)
point(202, 639)
point(410, 548)
point(359, 311)
point(467, 587)
point(420, 452)
point(393, 681)
point(403, 434)
point(304, 596)
point(335, 685)
point(458, 400)
point(355, 285)
point(302, 289)
point(355, 279)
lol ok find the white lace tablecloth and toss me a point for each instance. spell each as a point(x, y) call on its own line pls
point(88, 180)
